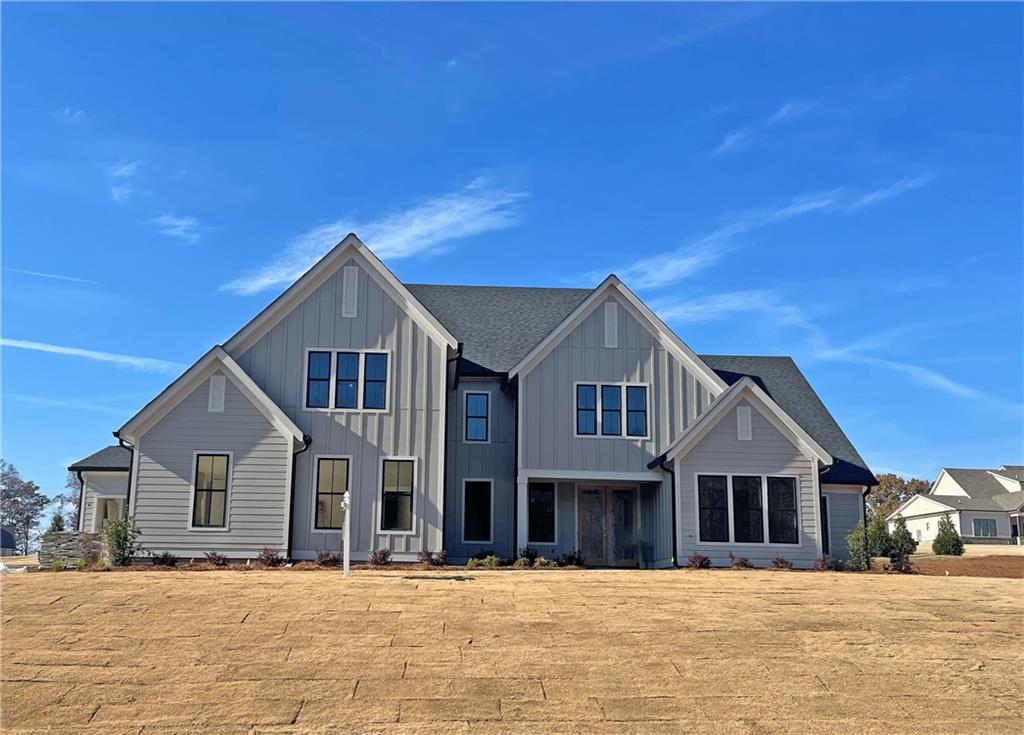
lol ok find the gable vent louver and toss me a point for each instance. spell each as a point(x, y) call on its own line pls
point(349, 290)
point(611, 324)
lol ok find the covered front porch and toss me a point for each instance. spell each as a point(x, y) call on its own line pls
point(609, 519)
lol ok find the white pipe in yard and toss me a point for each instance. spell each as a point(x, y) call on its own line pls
point(346, 556)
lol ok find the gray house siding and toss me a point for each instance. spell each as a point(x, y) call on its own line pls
point(767, 453)
point(109, 484)
point(675, 397)
point(844, 512)
point(656, 523)
point(259, 473)
point(411, 427)
point(494, 460)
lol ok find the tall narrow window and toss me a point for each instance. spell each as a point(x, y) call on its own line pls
point(611, 410)
point(476, 511)
point(331, 485)
point(782, 511)
point(586, 409)
point(747, 513)
point(396, 495)
point(209, 505)
point(541, 518)
point(713, 505)
point(346, 389)
point(318, 379)
point(636, 410)
point(375, 380)
point(477, 409)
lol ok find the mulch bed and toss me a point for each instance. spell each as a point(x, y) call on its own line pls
point(967, 566)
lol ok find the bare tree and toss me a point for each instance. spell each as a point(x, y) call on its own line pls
point(21, 505)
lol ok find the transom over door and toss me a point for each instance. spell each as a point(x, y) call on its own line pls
point(607, 530)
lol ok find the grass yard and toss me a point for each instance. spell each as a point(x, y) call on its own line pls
point(511, 652)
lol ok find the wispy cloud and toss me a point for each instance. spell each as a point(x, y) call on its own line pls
point(54, 276)
point(61, 403)
point(706, 250)
point(71, 114)
point(742, 137)
point(145, 364)
point(121, 179)
point(427, 228)
point(182, 228)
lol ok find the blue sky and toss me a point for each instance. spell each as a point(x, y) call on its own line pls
point(837, 183)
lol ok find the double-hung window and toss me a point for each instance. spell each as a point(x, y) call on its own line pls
point(713, 507)
point(586, 410)
point(346, 383)
point(347, 380)
point(748, 509)
point(331, 485)
point(611, 410)
point(375, 380)
point(318, 379)
point(782, 511)
point(636, 410)
point(747, 515)
point(396, 495)
point(210, 491)
point(477, 417)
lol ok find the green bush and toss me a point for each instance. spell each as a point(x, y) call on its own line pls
point(903, 545)
point(529, 553)
point(520, 563)
point(879, 540)
point(947, 541)
point(58, 564)
point(857, 550)
point(488, 562)
point(101, 566)
point(543, 563)
point(121, 538)
point(80, 565)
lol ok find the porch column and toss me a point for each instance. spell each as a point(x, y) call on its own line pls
point(522, 506)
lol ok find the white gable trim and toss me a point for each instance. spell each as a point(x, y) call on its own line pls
point(747, 388)
point(942, 507)
point(661, 332)
point(191, 379)
point(350, 247)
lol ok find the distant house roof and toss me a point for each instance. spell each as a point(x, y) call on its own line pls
point(1014, 471)
point(110, 459)
point(985, 491)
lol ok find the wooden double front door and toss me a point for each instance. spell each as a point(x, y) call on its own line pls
point(608, 526)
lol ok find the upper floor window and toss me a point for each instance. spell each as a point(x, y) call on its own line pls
point(602, 411)
point(477, 417)
point(210, 491)
point(348, 380)
point(636, 410)
point(396, 495)
point(611, 410)
point(318, 379)
point(586, 409)
point(346, 389)
point(375, 380)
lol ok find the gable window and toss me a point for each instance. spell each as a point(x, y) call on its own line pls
point(611, 410)
point(636, 410)
point(331, 485)
point(748, 509)
point(713, 505)
point(375, 378)
point(210, 493)
point(782, 511)
point(396, 495)
point(586, 409)
point(318, 379)
point(477, 417)
point(984, 527)
point(476, 511)
point(346, 389)
point(541, 516)
point(747, 516)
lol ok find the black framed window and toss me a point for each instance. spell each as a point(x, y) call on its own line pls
point(541, 515)
point(346, 388)
point(782, 511)
point(396, 495)
point(318, 379)
point(636, 410)
point(476, 511)
point(375, 380)
point(713, 505)
point(331, 484)
point(611, 410)
point(747, 513)
point(477, 407)
point(586, 409)
point(209, 506)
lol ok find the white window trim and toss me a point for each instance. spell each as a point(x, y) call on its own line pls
point(974, 528)
point(227, 495)
point(95, 515)
point(554, 485)
point(623, 410)
point(465, 416)
point(380, 496)
point(333, 380)
point(490, 532)
point(764, 510)
point(314, 478)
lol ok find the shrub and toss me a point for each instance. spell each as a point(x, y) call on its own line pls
point(879, 540)
point(857, 549)
point(947, 541)
point(826, 563)
point(270, 557)
point(380, 558)
point(698, 561)
point(903, 545)
point(487, 562)
point(529, 553)
point(80, 565)
point(165, 559)
point(571, 559)
point(781, 562)
point(424, 556)
point(58, 564)
point(101, 566)
point(739, 562)
point(327, 558)
point(121, 538)
point(483, 554)
point(432, 558)
point(543, 563)
point(520, 563)
point(215, 559)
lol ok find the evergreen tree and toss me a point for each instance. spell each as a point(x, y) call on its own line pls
point(858, 550)
point(903, 545)
point(947, 541)
point(56, 523)
point(879, 540)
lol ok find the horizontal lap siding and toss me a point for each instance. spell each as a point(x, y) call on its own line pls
point(844, 510)
point(258, 502)
point(100, 484)
point(768, 453)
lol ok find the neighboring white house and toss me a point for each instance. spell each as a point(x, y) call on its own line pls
point(986, 506)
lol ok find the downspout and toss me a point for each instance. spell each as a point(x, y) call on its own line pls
point(515, 471)
point(81, 497)
point(672, 474)
point(131, 468)
point(307, 440)
point(444, 438)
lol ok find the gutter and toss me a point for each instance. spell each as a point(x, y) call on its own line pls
point(81, 496)
point(307, 441)
point(660, 463)
point(131, 467)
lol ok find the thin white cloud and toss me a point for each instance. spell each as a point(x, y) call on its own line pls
point(425, 229)
point(743, 137)
point(145, 364)
point(121, 179)
point(54, 276)
point(182, 228)
point(71, 113)
point(60, 403)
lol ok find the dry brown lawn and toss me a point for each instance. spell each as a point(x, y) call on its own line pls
point(511, 652)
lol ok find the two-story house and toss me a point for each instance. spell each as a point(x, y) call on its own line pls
point(478, 418)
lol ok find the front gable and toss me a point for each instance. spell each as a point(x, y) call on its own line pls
point(946, 485)
point(921, 505)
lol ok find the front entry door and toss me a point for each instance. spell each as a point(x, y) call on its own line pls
point(607, 529)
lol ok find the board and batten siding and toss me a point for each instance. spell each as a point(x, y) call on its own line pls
point(411, 427)
point(106, 484)
point(257, 501)
point(845, 511)
point(547, 394)
point(768, 452)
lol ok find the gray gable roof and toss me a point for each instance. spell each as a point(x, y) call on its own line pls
point(1013, 471)
point(986, 492)
point(110, 458)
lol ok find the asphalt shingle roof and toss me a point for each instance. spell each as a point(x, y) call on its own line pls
point(114, 457)
point(986, 492)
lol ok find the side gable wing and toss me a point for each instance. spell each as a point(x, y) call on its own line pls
point(920, 505)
